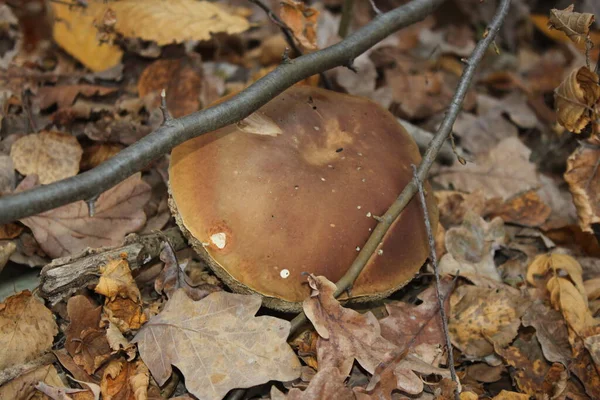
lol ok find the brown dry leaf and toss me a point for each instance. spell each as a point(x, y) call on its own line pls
point(117, 341)
point(471, 249)
point(574, 99)
point(10, 231)
point(566, 297)
point(417, 328)
point(57, 392)
point(582, 365)
point(74, 30)
point(96, 154)
point(505, 395)
point(481, 317)
point(525, 209)
point(573, 24)
point(182, 80)
point(27, 329)
point(174, 22)
point(454, 205)
point(346, 335)
point(551, 331)
point(7, 249)
point(302, 20)
point(122, 380)
point(123, 304)
point(69, 229)
point(532, 373)
point(583, 177)
point(327, 384)
point(50, 155)
point(70, 365)
point(592, 344)
point(65, 95)
point(503, 172)
point(217, 344)
point(85, 341)
point(23, 386)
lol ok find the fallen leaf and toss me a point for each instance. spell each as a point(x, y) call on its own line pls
point(123, 303)
point(65, 95)
point(69, 229)
point(555, 265)
point(23, 386)
point(50, 155)
point(10, 231)
point(226, 346)
point(117, 341)
point(583, 177)
point(57, 392)
point(123, 380)
point(573, 24)
point(27, 329)
point(503, 172)
point(327, 384)
point(454, 205)
point(7, 248)
point(592, 344)
point(575, 97)
point(182, 80)
point(418, 328)
point(481, 318)
point(96, 154)
point(74, 369)
point(346, 335)
point(551, 331)
point(582, 365)
point(8, 179)
point(525, 209)
point(75, 32)
point(302, 20)
point(505, 395)
point(85, 341)
point(471, 248)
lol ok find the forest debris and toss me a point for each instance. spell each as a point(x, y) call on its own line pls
point(50, 155)
point(575, 98)
point(327, 384)
point(23, 386)
point(69, 229)
point(22, 313)
point(255, 347)
point(302, 20)
point(573, 24)
point(551, 331)
point(125, 380)
point(583, 177)
point(65, 95)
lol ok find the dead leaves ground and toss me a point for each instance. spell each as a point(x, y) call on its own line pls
point(81, 82)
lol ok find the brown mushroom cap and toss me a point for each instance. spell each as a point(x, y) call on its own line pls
point(264, 209)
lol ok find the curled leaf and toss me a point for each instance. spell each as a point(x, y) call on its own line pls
point(575, 98)
point(573, 24)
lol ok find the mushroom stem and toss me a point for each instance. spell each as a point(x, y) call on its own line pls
point(432, 151)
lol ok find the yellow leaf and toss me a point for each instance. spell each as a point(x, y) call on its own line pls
point(302, 20)
point(574, 99)
point(116, 280)
point(555, 263)
point(565, 296)
point(174, 21)
point(74, 30)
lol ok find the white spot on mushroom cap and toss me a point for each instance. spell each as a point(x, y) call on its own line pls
point(219, 239)
point(284, 273)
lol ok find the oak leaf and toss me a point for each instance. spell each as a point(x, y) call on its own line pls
point(583, 177)
point(27, 329)
point(23, 386)
point(573, 24)
point(51, 156)
point(346, 335)
point(69, 229)
point(574, 99)
point(482, 317)
point(327, 384)
point(217, 344)
point(302, 20)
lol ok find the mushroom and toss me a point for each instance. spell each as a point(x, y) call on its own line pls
point(294, 189)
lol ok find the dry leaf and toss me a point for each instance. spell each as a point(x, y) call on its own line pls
point(65, 95)
point(346, 335)
point(57, 392)
point(74, 31)
point(217, 344)
point(96, 154)
point(503, 172)
point(123, 304)
point(454, 205)
point(302, 20)
point(573, 24)
point(26, 319)
point(117, 341)
point(525, 209)
point(23, 386)
point(52, 156)
point(7, 248)
point(418, 328)
point(471, 249)
point(70, 365)
point(583, 177)
point(551, 331)
point(8, 179)
point(481, 317)
point(69, 229)
point(122, 380)
point(259, 124)
point(10, 231)
point(327, 384)
point(574, 99)
point(173, 22)
point(85, 341)
point(182, 80)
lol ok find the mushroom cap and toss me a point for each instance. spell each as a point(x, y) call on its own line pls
point(264, 210)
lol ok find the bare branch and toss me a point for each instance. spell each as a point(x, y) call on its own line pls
point(137, 156)
point(428, 158)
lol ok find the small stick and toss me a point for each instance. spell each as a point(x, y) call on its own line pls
point(163, 107)
point(436, 272)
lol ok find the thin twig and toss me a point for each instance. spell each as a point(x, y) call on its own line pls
point(422, 171)
point(137, 156)
point(163, 106)
point(436, 272)
point(289, 37)
point(347, 15)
